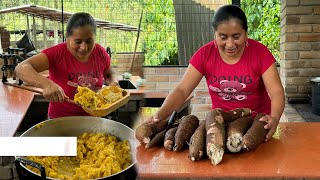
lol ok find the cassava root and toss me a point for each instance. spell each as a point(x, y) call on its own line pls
point(169, 138)
point(156, 140)
point(187, 125)
point(215, 136)
point(235, 131)
point(146, 130)
point(234, 114)
point(256, 134)
point(198, 142)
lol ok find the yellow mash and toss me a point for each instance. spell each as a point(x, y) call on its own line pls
point(111, 94)
point(40, 125)
point(98, 155)
point(98, 100)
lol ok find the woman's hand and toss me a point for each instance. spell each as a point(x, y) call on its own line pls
point(271, 125)
point(54, 93)
point(154, 118)
point(114, 83)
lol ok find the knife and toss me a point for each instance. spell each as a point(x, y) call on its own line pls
point(171, 120)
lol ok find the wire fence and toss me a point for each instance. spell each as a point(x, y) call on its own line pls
point(119, 12)
point(170, 30)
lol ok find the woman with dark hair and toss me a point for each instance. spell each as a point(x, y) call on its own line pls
point(77, 62)
point(240, 72)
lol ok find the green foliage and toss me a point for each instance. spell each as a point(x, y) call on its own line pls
point(159, 36)
point(264, 23)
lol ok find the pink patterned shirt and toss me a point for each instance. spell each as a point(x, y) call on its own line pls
point(237, 85)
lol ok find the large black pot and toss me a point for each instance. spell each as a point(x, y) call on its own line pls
point(75, 126)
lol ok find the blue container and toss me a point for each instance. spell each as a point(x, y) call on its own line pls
point(315, 95)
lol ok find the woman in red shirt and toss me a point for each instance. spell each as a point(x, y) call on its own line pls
point(240, 72)
point(77, 62)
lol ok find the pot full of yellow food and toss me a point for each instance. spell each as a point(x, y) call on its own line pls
point(106, 149)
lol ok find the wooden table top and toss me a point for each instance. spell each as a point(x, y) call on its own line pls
point(293, 152)
point(14, 103)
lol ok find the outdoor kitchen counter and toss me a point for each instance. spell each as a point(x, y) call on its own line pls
point(293, 152)
point(14, 103)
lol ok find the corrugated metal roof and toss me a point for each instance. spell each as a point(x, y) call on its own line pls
point(56, 15)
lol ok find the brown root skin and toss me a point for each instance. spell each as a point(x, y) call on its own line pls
point(146, 130)
point(157, 140)
point(235, 131)
point(169, 138)
point(186, 128)
point(255, 135)
point(168, 144)
point(198, 142)
point(234, 114)
point(145, 140)
point(215, 136)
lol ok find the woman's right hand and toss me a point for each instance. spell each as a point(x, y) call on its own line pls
point(154, 118)
point(54, 93)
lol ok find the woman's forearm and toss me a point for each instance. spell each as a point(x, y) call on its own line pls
point(28, 74)
point(172, 103)
point(181, 92)
point(275, 89)
point(111, 77)
point(277, 104)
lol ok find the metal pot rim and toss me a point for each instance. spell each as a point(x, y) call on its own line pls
point(95, 122)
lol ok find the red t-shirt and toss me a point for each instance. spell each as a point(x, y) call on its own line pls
point(237, 85)
point(66, 71)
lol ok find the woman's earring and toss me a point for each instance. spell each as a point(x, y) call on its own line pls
point(247, 43)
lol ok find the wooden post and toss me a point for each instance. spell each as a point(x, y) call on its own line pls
point(55, 33)
point(44, 33)
point(34, 33)
point(1, 50)
point(28, 26)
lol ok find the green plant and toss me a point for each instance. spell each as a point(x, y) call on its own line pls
point(159, 35)
point(264, 23)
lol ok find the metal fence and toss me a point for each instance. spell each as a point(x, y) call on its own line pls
point(114, 16)
point(171, 30)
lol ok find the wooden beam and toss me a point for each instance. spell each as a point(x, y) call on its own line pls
point(34, 34)
point(44, 34)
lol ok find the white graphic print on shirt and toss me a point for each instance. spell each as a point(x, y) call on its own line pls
point(230, 90)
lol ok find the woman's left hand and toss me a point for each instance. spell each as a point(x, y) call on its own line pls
point(114, 83)
point(271, 125)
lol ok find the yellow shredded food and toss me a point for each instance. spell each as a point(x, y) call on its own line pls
point(98, 100)
point(111, 94)
point(98, 155)
point(38, 126)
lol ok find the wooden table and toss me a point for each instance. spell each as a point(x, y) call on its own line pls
point(14, 103)
point(293, 152)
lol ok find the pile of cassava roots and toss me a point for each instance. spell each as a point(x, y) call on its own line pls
point(234, 130)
